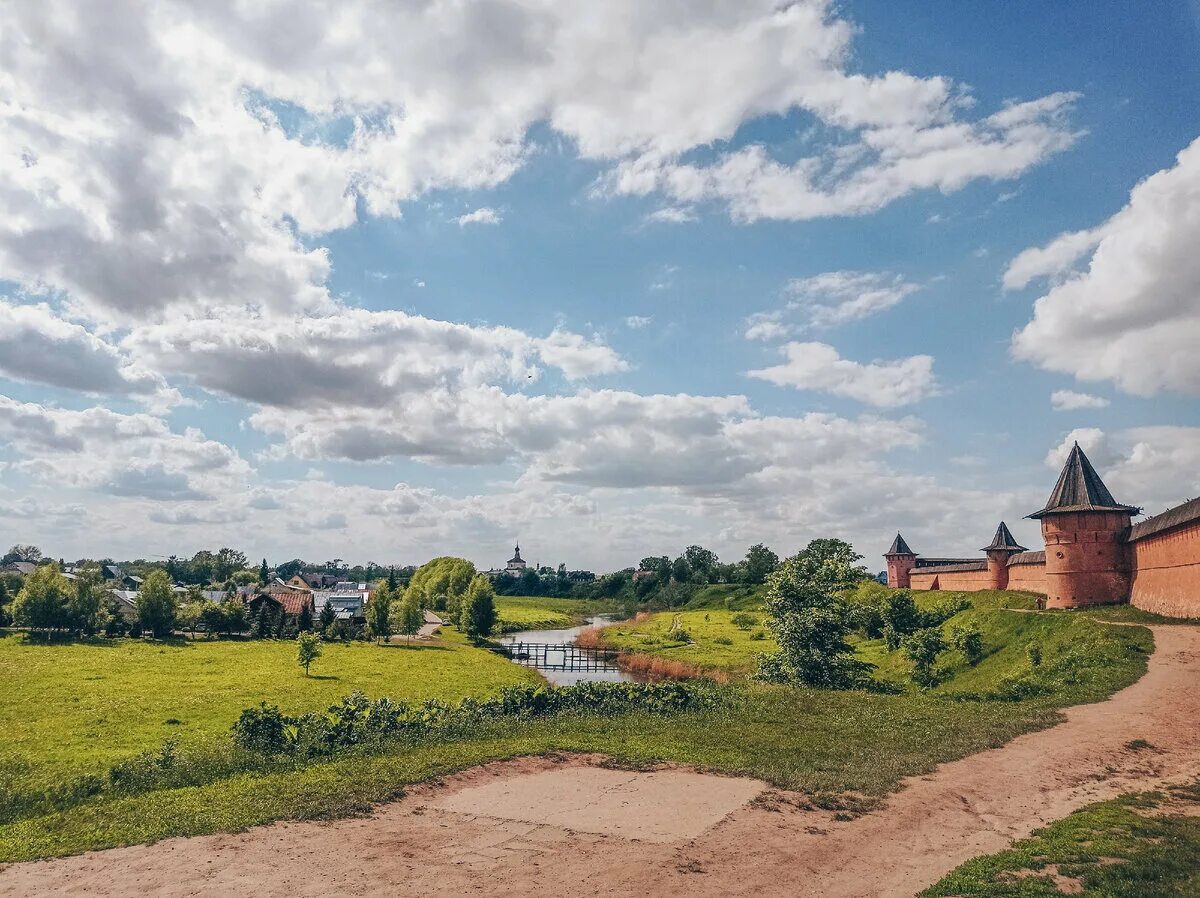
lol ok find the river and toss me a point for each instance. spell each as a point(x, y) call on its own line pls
point(608, 673)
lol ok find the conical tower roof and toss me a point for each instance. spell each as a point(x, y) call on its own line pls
point(899, 547)
point(1080, 488)
point(1004, 540)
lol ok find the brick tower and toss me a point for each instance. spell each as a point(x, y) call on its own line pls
point(1002, 548)
point(900, 561)
point(1085, 529)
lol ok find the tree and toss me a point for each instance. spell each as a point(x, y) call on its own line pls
point(810, 620)
point(922, 649)
point(702, 563)
point(189, 615)
point(760, 563)
point(410, 618)
point(157, 605)
point(114, 617)
point(308, 649)
point(236, 619)
point(391, 581)
point(213, 618)
point(21, 552)
point(440, 583)
point(680, 571)
point(479, 608)
point(304, 620)
point(379, 610)
point(289, 569)
point(84, 601)
point(263, 573)
point(4, 601)
point(327, 617)
point(42, 602)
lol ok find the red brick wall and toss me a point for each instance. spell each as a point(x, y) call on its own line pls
point(952, 581)
point(1166, 577)
point(1027, 577)
point(898, 567)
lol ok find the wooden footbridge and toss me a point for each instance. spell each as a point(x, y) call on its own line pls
point(560, 656)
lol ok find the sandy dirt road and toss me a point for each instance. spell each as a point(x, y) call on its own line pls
point(560, 826)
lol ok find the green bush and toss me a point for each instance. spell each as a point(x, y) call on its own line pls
point(744, 621)
point(968, 640)
point(922, 649)
point(722, 640)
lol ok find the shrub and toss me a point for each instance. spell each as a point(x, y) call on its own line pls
point(357, 720)
point(262, 729)
point(1034, 653)
point(943, 610)
point(722, 640)
point(922, 649)
point(759, 634)
point(968, 640)
point(744, 621)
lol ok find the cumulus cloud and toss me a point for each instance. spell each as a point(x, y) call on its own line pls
point(886, 384)
point(123, 455)
point(483, 215)
point(827, 300)
point(37, 346)
point(358, 358)
point(1070, 400)
point(188, 157)
point(1133, 316)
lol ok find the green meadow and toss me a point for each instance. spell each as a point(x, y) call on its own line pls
point(72, 708)
point(80, 708)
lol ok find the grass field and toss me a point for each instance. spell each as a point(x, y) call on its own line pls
point(543, 613)
point(76, 708)
point(810, 740)
point(1131, 847)
point(714, 643)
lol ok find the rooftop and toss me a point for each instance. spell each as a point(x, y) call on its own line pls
point(1003, 540)
point(1080, 488)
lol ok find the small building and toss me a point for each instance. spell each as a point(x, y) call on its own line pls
point(516, 565)
point(20, 568)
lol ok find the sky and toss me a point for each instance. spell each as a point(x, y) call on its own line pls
point(384, 281)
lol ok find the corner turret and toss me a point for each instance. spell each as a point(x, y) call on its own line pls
point(1085, 529)
point(900, 562)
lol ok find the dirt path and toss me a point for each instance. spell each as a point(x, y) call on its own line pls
point(541, 826)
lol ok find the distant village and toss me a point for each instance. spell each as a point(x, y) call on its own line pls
point(288, 592)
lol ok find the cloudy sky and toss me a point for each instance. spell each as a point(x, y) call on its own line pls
point(380, 281)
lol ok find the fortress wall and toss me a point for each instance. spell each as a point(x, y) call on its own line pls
point(951, 580)
point(1166, 571)
point(1027, 577)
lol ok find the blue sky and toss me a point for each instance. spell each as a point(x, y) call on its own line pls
point(611, 282)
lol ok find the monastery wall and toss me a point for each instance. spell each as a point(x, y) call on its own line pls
point(1027, 572)
point(951, 578)
point(1166, 562)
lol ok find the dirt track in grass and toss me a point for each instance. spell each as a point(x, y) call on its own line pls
point(560, 825)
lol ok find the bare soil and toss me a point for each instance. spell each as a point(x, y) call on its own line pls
point(565, 825)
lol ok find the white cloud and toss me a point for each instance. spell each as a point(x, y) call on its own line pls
point(886, 384)
point(673, 215)
point(194, 156)
point(358, 358)
point(1049, 261)
point(829, 299)
point(482, 215)
point(122, 455)
point(931, 150)
point(1133, 316)
point(37, 346)
point(637, 322)
point(1070, 400)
